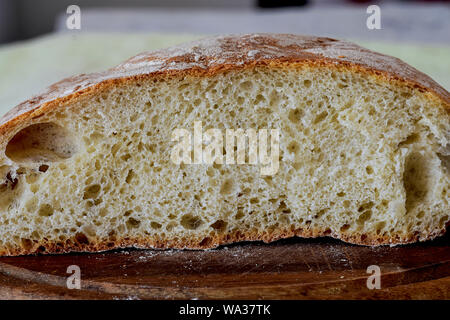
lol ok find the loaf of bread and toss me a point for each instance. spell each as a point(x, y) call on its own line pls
point(357, 149)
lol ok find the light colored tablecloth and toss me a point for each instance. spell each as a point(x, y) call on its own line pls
point(27, 68)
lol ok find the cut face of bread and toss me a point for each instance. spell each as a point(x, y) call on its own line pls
point(363, 150)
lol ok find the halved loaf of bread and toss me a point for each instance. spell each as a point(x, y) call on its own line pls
point(362, 141)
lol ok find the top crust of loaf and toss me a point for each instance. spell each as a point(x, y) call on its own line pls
point(213, 55)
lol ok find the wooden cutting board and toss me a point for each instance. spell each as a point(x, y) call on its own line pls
point(287, 269)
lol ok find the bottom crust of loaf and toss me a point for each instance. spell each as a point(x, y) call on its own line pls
point(81, 244)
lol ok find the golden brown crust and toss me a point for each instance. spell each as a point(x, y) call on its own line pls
point(82, 244)
point(206, 58)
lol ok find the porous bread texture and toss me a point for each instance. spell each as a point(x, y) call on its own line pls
point(361, 159)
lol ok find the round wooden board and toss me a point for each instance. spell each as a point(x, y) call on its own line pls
point(287, 269)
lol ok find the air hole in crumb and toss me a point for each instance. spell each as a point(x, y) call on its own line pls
point(293, 147)
point(155, 225)
point(130, 176)
point(412, 138)
point(240, 214)
point(227, 187)
point(191, 222)
point(210, 172)
point(321, 117)
point(307, 83)
point(369, 170)
point(41, 142)
point(295, 115)
point(283, 207)
point(365, 216)
point(133, 223)
point(365, 206)
point(246, 85)
point(91, 192)
point(170, 226)
point(321, 213)
point(45, 210)
point(125, 157)
point(43, 168)
point(127, 213)
point(219, 225)
point(380, 226)
point(416, 179)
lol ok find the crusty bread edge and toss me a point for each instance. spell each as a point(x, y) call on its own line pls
point(82, 244)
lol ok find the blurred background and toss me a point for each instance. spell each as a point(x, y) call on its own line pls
point(37, 47)
point(426, 21)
